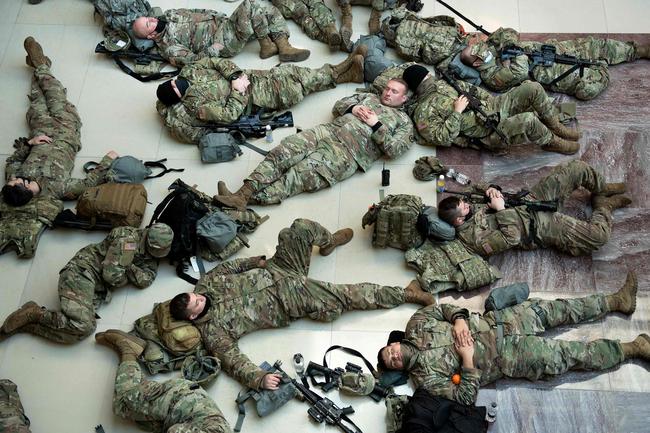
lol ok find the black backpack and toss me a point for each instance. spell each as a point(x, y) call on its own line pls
point(426, 413)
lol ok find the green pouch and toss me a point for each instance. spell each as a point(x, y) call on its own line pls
point(507, 296)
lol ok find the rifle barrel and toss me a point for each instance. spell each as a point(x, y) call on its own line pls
point(476, 26)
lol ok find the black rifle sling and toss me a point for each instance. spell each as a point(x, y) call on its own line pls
point(141, 78)
point(349, 351)
point(160, 164)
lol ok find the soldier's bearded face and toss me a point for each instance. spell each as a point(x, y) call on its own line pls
point(395, 94)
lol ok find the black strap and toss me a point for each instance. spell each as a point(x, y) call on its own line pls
point(241, 140)
point(143, 79)
point(349, 351)
point(159, 164)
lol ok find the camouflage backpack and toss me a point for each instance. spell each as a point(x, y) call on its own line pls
point(12, 414)
point(395, 220)
point(449, 265)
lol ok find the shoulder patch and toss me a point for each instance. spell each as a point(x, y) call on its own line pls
point(130, 246)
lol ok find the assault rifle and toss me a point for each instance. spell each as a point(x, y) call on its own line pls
point(331, 378)
point(476, 26)
point(254, 125)
point(322, 408)
point(512, 199)
point(547, 56)
point(491, 121)
point(142, 58)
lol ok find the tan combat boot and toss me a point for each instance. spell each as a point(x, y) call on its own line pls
point(414, 294)
point(267, 48)
point(237, 200)
point(128, 346)
point(610, 203)
point(333, 36)
point(560, 145)
point(624, 301)
point(350, 70)
point(642, 51)
point(35, 56)
point(361, 50)
point(373, 23)
point(558, 129)
point(613, 188)
point(340, 237)
point(289, 53)
point(639, 348)
point(31, 312)
point(222, 189)
point(346, 25)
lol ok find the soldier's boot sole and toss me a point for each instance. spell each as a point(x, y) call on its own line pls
point(373, 23)
point(35, 56)
point(613, 188)
point(333, 37)
point(639, 348)
point(120, 341)
point(624, 301)
point(28, 313)
point(414, 294)
point(346, 26)
point(642, 51)
point(340, 237)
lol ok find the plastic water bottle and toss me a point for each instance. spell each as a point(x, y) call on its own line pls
point(440, 185)
point(268, 132)
point(491, 414)
point(458, 177)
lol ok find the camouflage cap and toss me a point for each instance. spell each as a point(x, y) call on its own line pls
point(159, 239)
point(201, 369)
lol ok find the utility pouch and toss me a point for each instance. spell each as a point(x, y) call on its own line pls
point(507, 296)
point(224, 146)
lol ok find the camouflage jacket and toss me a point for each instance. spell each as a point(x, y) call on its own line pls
point(430, 40)
point(393, 138)
point(243, 298)
point(118, 260)
point(436, 121)
point(190, 34)
point(12, 414)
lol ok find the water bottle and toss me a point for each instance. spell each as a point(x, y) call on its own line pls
point(458, 177)
point(440, 185)
point(491, 414)
point(268, 132)
point(299, 364)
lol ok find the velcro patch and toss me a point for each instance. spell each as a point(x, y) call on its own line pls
point(130, 246)
point(487, 248)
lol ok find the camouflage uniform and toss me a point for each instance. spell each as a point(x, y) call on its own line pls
point(173, 406)
point(12, 414)
point(432, 40)
point(87, 280)
point(497, 76)
point(523, 112)
point(327, 154)
point(49, 164)
point(190, 33)
point(245, 298)
point(430, 358)
point(487, 233)
point(313, 16)
point(210, 97)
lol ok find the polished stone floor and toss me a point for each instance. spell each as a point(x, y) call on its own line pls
point(69, 388)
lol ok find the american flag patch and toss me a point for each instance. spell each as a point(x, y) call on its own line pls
point(421, 126)
point(487, 248)
point(130, 246)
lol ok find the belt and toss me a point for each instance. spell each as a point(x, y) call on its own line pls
point(541, 313)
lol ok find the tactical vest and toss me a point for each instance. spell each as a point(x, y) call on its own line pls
point(395, 219)
point(449, 265)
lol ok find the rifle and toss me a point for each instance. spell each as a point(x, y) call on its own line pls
point(332, 378)
point(254, 125)
point(142, 58)
point(476, 26)
point(322, 408)
point(511, 199)
point(491, 121)
point(546, 57)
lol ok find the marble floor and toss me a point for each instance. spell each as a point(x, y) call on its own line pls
point(69, 389)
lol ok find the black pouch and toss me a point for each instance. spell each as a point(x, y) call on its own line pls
point(507, 296)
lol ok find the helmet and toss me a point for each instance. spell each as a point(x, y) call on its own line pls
point(201, 369)
point(117, 40)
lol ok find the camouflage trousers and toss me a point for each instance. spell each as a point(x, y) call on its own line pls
point(313, 16)
point(523, 111)
point(284, 86)
point(305, 162)
point(173, 406)
point(524, 354)
point(319, 300)
point(51, 113)
point(253, 19)
point(76, 320)
point(563, 232)
point(12, 414)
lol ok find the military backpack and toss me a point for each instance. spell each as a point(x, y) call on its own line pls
point(123, 204)
point(395, 221)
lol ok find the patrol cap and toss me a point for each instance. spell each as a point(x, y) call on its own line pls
point(159, 239)
point(413, 75)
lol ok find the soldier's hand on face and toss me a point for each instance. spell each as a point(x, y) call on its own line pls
point(217, 46)
point(271, 381)
point(497, 203)
point(241, 84)
point(461, 334)
point(112, 154)
point(460, 104)
point(39, 139)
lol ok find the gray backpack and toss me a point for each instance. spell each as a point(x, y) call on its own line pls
point(217, 229)
point(128, 169)
point(224, 146)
